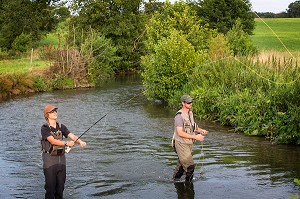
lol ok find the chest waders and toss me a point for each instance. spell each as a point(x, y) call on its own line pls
point(51, 149)
point(189, 127)
point(184, 148)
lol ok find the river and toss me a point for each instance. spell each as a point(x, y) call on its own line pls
point(128, 153)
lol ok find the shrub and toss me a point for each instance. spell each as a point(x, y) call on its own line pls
point(22, 43)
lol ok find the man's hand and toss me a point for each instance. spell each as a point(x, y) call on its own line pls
point(199, 137)
point(82, 144)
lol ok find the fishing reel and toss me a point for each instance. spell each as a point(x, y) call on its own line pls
point(67, 149)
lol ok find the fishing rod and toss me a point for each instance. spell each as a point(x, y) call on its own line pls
point(68, 148)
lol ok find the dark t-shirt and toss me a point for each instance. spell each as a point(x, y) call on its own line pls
point(49, 160)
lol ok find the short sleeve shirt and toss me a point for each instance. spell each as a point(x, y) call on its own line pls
point(178, 121)
point(49, 160)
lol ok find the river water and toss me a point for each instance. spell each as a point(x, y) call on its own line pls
point(128, 153)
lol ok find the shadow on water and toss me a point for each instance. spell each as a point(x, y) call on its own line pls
point(129, 154)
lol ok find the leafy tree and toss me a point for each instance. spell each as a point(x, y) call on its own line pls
point(22, 43)
point(100, 54)
point(222, 14)
point(239, 41)
point(120, 21)
point(27, 17)
point(294, 9)
point(176, 43)
point(219, 48)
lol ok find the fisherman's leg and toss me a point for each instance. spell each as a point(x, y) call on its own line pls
point(190, 173)
point(50, 182)
point(61, 179)
point(178, 172)
point(184, 152)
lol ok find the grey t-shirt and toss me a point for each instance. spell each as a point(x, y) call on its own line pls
point(178, 121)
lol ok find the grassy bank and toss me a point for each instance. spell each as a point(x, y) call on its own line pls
point(22, 65)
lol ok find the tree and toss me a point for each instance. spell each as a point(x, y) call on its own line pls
point(240, 42)
point(222, 14)
point(176, 43)
point(293, 10)
point(25, 17)
point(120, 21)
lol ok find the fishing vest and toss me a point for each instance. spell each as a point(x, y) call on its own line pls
point(53, 150)
point(188, 126)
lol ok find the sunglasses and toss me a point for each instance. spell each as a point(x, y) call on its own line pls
point(189, 102)
point(53, 111)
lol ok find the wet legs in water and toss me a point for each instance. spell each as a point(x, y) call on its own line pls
point(190, 173)
point(178, 172)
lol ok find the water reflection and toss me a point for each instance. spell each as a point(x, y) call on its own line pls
point(185, 190)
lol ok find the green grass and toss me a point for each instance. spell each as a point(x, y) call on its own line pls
point(22, 65)
point(287, 30)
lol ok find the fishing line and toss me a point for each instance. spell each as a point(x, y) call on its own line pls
point(272, 32)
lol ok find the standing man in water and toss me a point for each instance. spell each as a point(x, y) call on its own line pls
point(185, 132)
point(53, 148)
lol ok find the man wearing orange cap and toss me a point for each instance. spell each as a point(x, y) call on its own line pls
point(53, 148)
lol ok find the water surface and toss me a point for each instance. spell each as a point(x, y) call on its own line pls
point(128, 153)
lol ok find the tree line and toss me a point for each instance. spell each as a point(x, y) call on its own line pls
point(293, 11)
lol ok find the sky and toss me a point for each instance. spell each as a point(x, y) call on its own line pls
point(275, 6)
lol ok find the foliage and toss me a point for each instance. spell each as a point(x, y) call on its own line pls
point(250, 96)
point(222, 14)
point(3, 54)
point(40, 84)
point(296, 196)
point(166, 70)
point(294, 9)
point(119, 21)
point(27, 17)
point(100, 54)
point(175, 44)
point(240, 42)
point(61, 82)
point(219, 48)
point(15, 84)
point(22, 43)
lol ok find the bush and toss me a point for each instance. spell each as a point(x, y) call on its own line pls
point(99, 55)
point(22, 43)
point(240, 42)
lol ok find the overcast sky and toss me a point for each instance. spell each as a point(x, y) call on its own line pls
point(275, 6)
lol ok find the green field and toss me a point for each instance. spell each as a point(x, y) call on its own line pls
point(287, 29)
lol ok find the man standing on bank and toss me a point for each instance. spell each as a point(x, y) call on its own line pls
point(53, 148)
point(185, 132)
